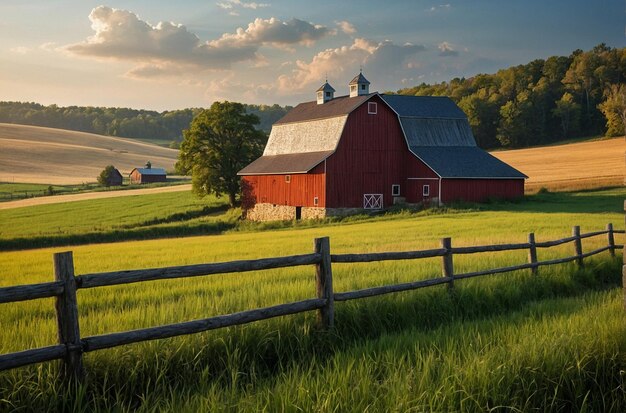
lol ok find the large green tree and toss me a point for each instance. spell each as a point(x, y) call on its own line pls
point(220, 142)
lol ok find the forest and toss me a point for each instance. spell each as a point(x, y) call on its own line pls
point(544, 101)
point(123, 122)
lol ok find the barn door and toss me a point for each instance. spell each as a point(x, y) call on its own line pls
point(373, 201)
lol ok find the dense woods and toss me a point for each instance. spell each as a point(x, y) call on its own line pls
point(543, 101)
point(537, 103)
point(123, 122)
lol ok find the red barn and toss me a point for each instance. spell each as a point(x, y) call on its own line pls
point(147, 175)
point(367, 150)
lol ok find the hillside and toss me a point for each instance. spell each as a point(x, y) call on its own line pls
point(583, 165)
point(56, 156)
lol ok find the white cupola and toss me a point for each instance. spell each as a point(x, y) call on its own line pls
point(325, 93)
point(359, 86)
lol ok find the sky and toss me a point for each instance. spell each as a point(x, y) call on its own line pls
point(167, 55)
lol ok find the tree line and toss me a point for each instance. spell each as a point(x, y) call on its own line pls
point(543, 101)
point(122, 122)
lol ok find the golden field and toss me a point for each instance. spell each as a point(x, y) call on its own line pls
point(31, 154)
point(573, 166)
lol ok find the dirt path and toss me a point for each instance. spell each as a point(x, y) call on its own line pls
point(55, 199)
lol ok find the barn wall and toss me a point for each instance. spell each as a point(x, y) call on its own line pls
point(479, 190)
point(369, 159)
point(273, 189)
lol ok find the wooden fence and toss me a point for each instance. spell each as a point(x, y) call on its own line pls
point(71, 345)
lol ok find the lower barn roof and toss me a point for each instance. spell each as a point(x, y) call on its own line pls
point(465, 162)
point(292, 163)
point(151, 171)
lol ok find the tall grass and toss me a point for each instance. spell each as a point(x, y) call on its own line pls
point(515, 342)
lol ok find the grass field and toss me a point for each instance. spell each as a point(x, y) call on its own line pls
point(512, 342)
point(570, 167)
point(34, 154)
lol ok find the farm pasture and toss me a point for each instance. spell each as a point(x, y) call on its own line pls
point(570, 167)
point(31, 154)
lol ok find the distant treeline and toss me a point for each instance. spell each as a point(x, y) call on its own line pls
point(542, 101)
point(123, 122)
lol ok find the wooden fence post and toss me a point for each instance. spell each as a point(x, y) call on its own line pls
point(447, 265)
point(324, 284)
point(67, 316)
point(611, 239)
point(532, 253)
point(578, 245)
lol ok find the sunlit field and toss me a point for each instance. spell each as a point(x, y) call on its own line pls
point(555, 341)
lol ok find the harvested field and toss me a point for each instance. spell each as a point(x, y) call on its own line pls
point(56, 156)
point(574, 166)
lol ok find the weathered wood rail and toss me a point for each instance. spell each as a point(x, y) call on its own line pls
point(72, 346)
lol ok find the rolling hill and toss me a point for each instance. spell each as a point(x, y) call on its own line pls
point(573, 166)
point(56, 156)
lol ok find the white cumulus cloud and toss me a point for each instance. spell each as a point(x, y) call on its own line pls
point(346, 27)
point(446, 49)
point(380, 60)
point(168, 48)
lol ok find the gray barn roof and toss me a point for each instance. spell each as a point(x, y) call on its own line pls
point(438, 107)
point(437, 132)
point(339, 106)
point(465, 162)
point(150, 171)
point(293, 163)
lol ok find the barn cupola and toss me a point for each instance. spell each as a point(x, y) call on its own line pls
point(325, 93)
point(359, 86)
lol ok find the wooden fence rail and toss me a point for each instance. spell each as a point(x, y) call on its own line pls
point(71, 345)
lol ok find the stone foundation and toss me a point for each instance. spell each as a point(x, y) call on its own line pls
point(271, 212)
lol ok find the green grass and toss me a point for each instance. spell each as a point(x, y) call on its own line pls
point(182, 214)
point(510, 342)
point(10, 191)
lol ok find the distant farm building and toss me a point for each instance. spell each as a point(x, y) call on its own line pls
point(115, 179)
point(147, 175)
point(335, 156)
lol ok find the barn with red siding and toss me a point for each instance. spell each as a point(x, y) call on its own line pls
point(334, 156)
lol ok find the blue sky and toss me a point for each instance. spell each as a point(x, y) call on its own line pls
point(169, 55)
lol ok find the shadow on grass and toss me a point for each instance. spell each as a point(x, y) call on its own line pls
point(134, 234)
point(604, 200)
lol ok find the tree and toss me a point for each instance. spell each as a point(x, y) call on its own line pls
point(569, 112)
point(614, 110)
point(219, 143)
point(105, 176)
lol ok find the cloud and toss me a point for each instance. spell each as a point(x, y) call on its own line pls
point(346, 27)
point(440, 7)
point(20, 50)
point(446, 49)
point(273, 32)
point(231, 4)
point(170, 48)
point(381, 59)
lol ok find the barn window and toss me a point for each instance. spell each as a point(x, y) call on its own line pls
point(395, 190)
point(426, 190)
point(352, 88)
point(288, 178)
point(327, 94)
point(316, 201)
point(362, 87)
point(372, 108)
